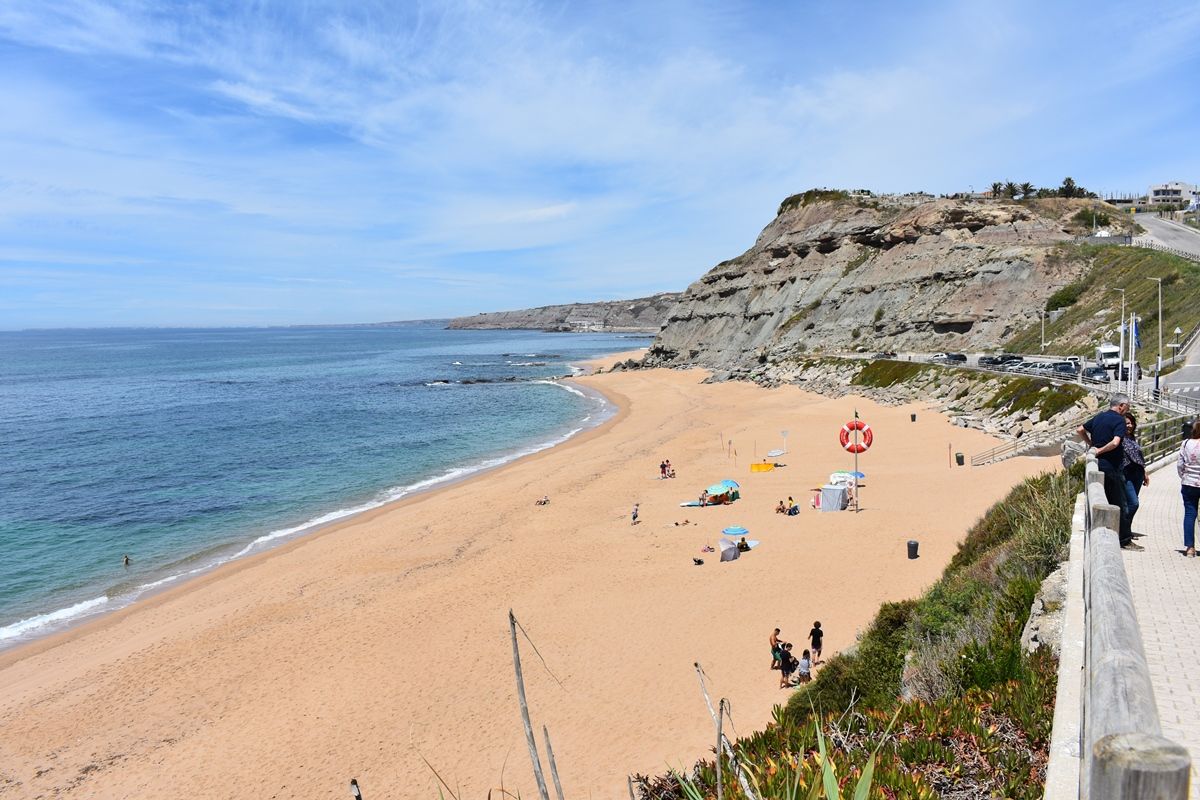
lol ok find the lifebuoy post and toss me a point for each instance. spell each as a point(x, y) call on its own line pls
point(856, 437)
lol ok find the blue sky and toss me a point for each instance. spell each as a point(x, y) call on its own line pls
point(259, 163)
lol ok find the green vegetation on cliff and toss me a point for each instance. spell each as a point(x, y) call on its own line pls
point(978, 720)
point(1093, 308)
point(812, 196)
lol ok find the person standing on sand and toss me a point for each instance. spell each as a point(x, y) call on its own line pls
point(662, 470)
point(774, 640)
point(1103, 434)
point(787, 666)
point(1189, 475)
point(634, 515)
point(814, 637)
point(804, 668)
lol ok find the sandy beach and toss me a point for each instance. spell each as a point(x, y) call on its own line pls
point(365, 648)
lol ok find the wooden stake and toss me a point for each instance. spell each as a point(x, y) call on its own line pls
point(724, 740)
point(629, 779)
point(533, 752)
point(553, 767)
point(720, 735)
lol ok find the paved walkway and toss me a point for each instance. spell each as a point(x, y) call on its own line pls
point(1166, 594)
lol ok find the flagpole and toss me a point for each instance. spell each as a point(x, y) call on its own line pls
point(856, 463)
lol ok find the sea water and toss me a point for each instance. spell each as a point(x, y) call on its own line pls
point(188, 448)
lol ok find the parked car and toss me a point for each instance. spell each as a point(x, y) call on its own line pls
point(1009, 358)
point(1095, 374)
point(1065, 368)
point(885, 354)
point(1137, 372)
point(957, 358)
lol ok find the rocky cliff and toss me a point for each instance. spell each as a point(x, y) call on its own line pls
point(834, 272)
point(644, 315)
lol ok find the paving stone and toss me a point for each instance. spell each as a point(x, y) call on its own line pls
point(1166, 596)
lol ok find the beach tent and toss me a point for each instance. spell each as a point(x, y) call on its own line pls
point(735, 530)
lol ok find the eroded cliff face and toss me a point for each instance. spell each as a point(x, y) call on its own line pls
point(643, 315)
point(872, 274)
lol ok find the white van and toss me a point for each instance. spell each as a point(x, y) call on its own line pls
point(1108, 355)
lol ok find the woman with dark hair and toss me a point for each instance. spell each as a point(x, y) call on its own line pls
point(1133, 465)
point(1189, 475)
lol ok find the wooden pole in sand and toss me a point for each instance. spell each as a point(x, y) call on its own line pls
point(553, 766)
point(533, 752)
point(724, 740)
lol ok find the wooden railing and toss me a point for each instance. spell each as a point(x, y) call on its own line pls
point(1123, 754)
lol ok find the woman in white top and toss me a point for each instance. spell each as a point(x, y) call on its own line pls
point(1189, 473)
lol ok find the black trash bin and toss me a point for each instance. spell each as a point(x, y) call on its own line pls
point(912, 548)
point(958, 459)
point(913, 417)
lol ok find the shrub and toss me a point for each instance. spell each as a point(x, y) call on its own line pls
point(812, 196)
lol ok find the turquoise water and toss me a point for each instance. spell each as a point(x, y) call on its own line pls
point(187, 448)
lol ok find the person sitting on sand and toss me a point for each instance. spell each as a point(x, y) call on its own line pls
point(781, 508)
point(545, 501)
point(743, 546)
point(668, 470)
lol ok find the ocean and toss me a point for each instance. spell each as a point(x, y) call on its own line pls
point(185, 449)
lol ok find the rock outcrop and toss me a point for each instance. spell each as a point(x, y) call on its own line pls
point(644, 315)
point(834, 273)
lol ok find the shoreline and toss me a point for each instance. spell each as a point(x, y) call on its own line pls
point(284, 537)
point(382, 640)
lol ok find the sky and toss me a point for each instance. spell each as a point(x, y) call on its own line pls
point(263, 162)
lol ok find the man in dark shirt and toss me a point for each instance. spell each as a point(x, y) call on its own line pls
point(1103, 433)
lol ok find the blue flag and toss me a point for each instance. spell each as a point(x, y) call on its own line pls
point(1137, 333)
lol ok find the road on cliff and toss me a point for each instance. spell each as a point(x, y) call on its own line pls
point(1171, 234)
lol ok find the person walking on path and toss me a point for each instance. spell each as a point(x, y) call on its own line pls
point(1133, 468)
point(1103, 434)
point(1189, 475)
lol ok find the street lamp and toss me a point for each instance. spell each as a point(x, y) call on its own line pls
point(1121, 359)
point(1160, 324)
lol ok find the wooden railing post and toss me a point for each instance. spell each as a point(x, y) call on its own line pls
point(1125, 756)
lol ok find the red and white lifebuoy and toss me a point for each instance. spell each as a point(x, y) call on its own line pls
point(865, 437)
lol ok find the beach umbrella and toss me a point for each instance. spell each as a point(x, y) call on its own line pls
point(735, 530)
point(858, 475)
point(730, 484)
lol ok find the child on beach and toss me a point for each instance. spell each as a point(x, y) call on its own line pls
point(815, 636)
point(804, 668)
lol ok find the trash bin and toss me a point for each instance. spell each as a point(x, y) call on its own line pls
point(913, 417)
point(958, 459)
point(912, 548)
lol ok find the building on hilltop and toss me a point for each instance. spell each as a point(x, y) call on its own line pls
point(1173, 192)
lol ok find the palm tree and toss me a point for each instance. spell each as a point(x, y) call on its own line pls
point(997, 188)
point(1011, 189)
point(1026, 190)
point(1068, 188)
